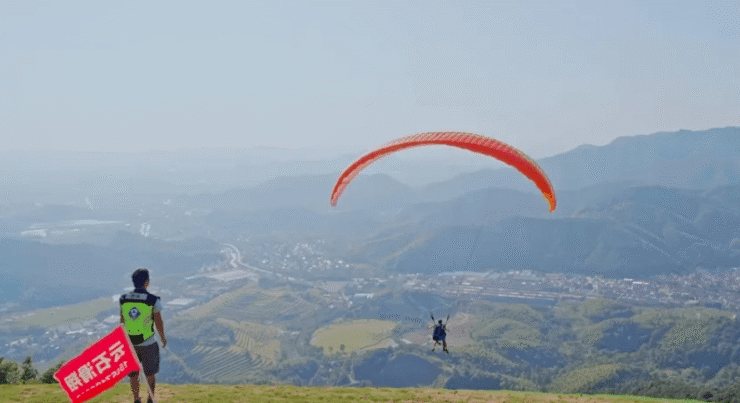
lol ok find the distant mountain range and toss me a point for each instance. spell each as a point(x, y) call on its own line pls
point(639, 232)
point(686, 159)
point(623, 210)
point(112, 180)
point(639, 205)
point(122, 180)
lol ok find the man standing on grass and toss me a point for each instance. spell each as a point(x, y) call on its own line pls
point(140, 311)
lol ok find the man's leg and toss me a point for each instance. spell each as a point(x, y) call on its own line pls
point(152, 364)
point(152, 382)
point(134, 380)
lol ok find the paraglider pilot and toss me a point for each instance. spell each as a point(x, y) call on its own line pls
point(440, 334)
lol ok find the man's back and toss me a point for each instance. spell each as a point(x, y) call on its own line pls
point(137, 310)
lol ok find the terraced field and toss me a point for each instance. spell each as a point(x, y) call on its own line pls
point(221, 350)
point(262, 342)
point(221, 364)
point(253, 304)
point(227, 339)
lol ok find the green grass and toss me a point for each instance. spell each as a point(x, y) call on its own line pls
point(121, 393)
point(356, 335)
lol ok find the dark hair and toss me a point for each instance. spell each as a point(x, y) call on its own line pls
point(140, 277)
point(440, 321)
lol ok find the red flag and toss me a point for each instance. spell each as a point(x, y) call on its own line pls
point(99, 367)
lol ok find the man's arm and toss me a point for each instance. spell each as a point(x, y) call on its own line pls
point(160, 327)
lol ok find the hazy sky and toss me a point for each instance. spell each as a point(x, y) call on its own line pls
point(143, 75)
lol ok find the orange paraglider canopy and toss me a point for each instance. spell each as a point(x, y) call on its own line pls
point(469, 141)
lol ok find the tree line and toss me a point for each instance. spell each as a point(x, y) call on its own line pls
point(12, 373)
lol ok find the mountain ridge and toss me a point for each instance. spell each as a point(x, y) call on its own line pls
point(641, 230)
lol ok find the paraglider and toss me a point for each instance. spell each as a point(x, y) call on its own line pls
point(469, 141)
point(440, 333)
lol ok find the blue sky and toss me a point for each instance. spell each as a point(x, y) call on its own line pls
point(349, 75)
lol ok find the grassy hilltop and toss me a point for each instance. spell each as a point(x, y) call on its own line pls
point(121, 393)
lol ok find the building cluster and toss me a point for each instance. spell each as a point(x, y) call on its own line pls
point(702, 287)
point(297, 258)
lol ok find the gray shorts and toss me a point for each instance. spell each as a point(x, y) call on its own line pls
point(149, 359)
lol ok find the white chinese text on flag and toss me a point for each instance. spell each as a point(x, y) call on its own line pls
point(99, 367)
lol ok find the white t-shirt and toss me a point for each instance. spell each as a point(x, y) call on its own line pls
point(156, 308)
